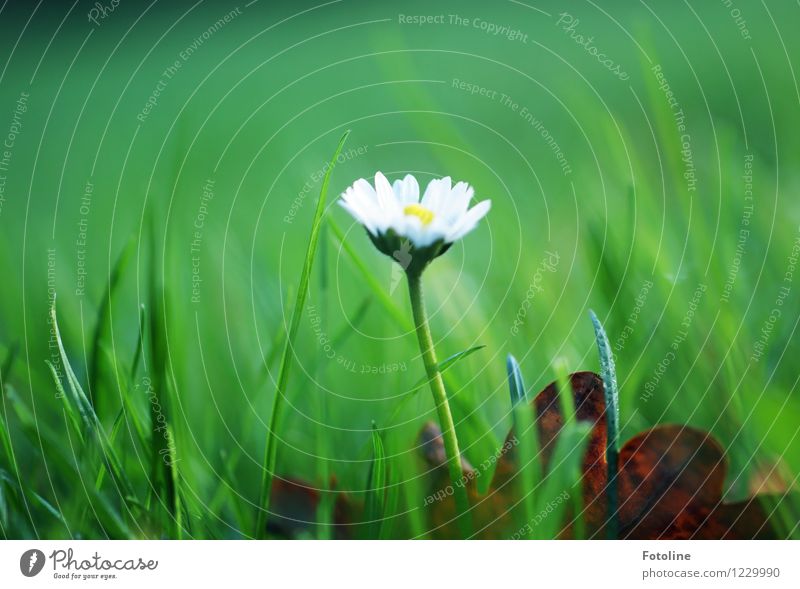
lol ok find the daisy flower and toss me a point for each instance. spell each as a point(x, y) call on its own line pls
point(414, 231)
point(398, 220)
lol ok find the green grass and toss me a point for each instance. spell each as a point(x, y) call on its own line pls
point(271, 451)
point(82, 454)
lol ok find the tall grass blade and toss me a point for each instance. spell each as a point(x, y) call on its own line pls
point(5, 433)
point(609, 374)
point(566, 395)
point(271, 449)
point(516, 386)
point(91, 434)
point(137, 353)
point(113, 436)
point(3, 503)
point(171, 463)
point(163, 439)
point(130, 414)
point(566, 398)
point(375, 504)
point(49, 508)
point(93, 429)
point(103, 320)
point(78, 422)
point(562, 481)
point(392, 501)
point(325, 508)
point(525, 438)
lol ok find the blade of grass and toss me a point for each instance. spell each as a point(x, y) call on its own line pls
point(325, 507)
point(98, 483)
point(8, 363)
point(609, 374)
point(5, 433)
point(562, 479)
point(375, 504)
point(526, 438)
point(92, 427)
point(377, 288)
point(137, 353)
point(161, 402)
point(69, 408)
point(171, 463)
point(278, 342)
point(129, 410)
point(567, 399)
point(239, 513)
point(19, 505)
point(270, 451)
point(392, 501)
point(49, 508)
point(516, 385)
point(444, 366)
point(114, 431)
point(414, 493)
point(93, 436)
point(566, 396)
point(111, 523)
point(103, 319)
point(562, 484)
point(3, 502)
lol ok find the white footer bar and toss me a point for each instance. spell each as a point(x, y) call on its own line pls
point(389, 564)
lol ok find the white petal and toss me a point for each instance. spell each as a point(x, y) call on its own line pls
point(359, 215)
point(468, 222)
point(458, 202)
point(386, 198)
point(435, 194)
point(406, 190)
point(361, 200)
point(365, 188)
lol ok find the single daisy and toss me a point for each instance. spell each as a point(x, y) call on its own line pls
point(413, 231)
point(399, 222)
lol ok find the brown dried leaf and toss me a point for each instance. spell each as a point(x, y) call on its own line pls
point(670, 480)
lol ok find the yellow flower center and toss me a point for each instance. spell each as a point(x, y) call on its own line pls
point(423, 214)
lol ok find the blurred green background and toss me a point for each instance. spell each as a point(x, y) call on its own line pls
point(202, 146)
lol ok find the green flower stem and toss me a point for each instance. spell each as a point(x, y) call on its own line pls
point(440, 400)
